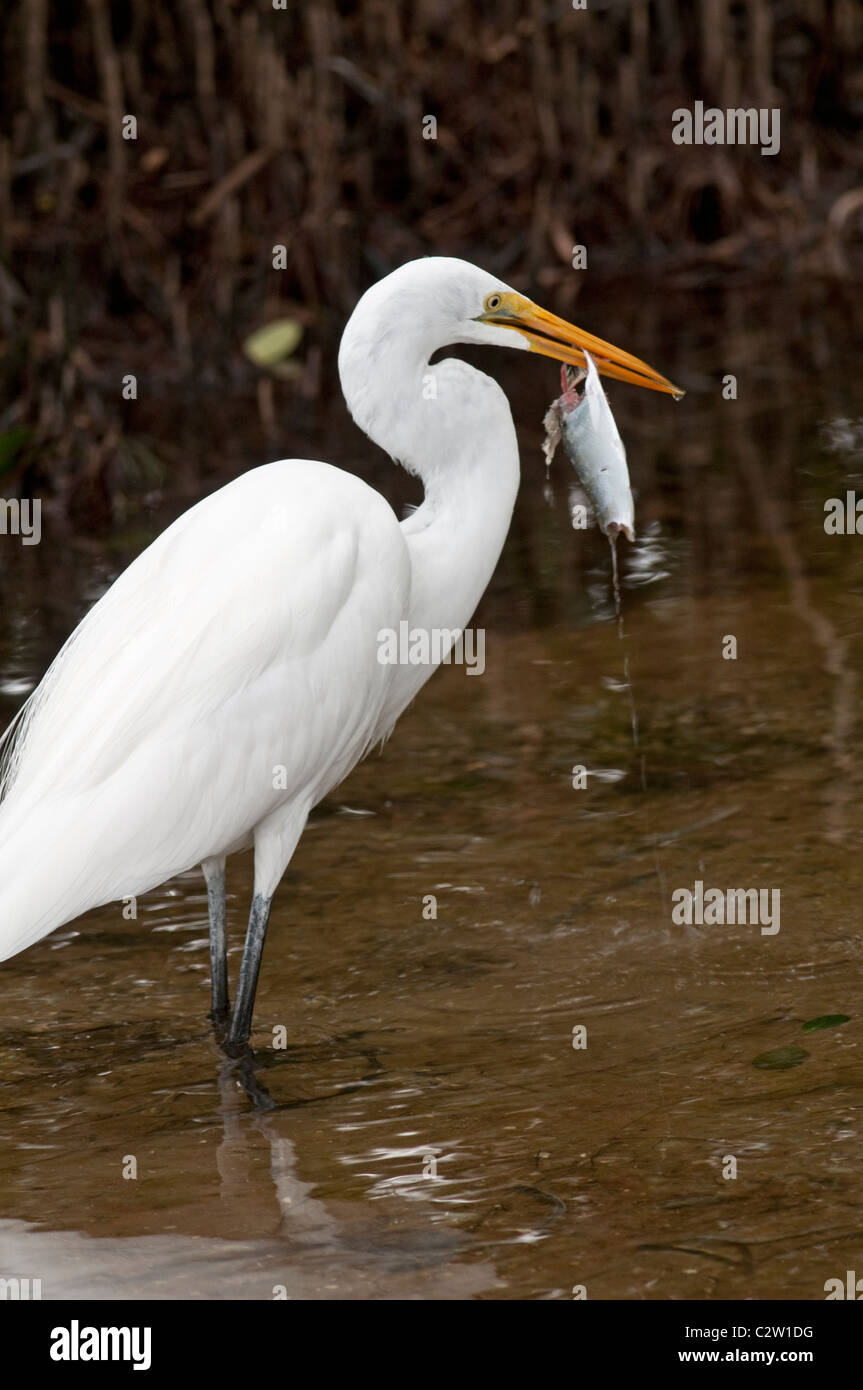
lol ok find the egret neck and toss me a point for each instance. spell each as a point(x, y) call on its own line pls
point(450, 425)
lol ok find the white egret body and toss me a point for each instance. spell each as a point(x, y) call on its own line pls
point(230, 676)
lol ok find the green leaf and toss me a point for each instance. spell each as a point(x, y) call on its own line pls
point(781, 1058)
point(825, 1021)
point(11, 444)
point(270, 345)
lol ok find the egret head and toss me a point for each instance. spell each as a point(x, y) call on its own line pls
point(509, 319)
point(430, 303)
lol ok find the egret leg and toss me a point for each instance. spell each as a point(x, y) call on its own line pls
point(241, 1019)
point(214, 876)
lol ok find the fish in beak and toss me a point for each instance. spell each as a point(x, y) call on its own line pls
point(581, 418)
point(554, 337)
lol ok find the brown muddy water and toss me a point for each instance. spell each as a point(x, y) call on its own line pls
point(433, 1131)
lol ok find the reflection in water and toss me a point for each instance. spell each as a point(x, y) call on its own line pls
point(433, 1130)
point(310, 1253)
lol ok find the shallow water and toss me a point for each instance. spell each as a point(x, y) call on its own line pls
point(433, 1131)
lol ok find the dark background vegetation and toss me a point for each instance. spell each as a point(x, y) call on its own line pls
point(303, 126)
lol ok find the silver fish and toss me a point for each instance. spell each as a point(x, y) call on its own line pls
point(582, 418)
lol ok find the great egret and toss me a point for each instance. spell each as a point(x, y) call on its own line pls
point(230, 677)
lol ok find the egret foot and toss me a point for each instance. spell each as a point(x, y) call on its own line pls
point(241, 1071)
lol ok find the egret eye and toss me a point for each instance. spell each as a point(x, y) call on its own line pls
point(492, 302)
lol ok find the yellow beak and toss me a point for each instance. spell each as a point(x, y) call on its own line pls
point(554, 337)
